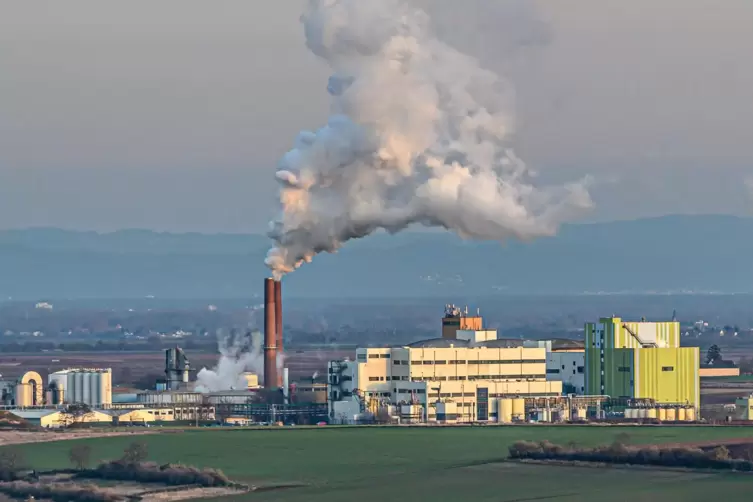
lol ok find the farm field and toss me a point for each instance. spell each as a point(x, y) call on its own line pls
point(340, 464)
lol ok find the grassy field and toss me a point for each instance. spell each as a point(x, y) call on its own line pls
point(420, 464)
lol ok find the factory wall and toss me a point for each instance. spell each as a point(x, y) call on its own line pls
point(425, 375)
point(451, 324)
point(668, 375)
point(641, 360)
point(614, 333)
point(142, 416)
point(567, 367)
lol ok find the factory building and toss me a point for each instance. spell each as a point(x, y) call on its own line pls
point(471, 371)
point(177, 369)
point(641, 360)
point(565, 362)
point(456, 319)
point(54, 419)
point(92, 386)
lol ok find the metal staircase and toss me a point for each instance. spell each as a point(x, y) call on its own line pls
point(638, 339)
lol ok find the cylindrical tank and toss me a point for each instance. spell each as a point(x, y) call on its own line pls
point(690, 415)
point(629, 413)
point(642, 413)
point(78, 391)
point(86, 387)
point(671, 414)
point(651, 413)
point(681, 414)
point(518, 409)
point(505, 410)
point(662, 414)
point(578, 414)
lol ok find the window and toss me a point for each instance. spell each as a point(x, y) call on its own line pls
point(440, 362)
point(580, 369)
point(361, 358)
point(428, 362)
point(373, 379)
point(384, 356)
point(373, 356)
point(553, 371)
point(667, 368)
point(396, 361)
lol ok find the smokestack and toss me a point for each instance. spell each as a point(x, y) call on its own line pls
point(270, 338)
point(278, 326)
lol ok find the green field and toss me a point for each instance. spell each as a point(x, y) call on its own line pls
point(420, 464)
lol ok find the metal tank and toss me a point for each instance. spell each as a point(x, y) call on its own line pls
point(518, 409)
point(504, 412)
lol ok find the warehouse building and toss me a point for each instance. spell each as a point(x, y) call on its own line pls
point(641, 360)
point(54, 419)
point(471, 371)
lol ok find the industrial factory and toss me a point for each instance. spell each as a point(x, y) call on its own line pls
point(626, 369)
point(623, 370)
point(177, 397)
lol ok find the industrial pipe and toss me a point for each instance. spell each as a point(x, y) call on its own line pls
point(270, 337)
point(278, 327)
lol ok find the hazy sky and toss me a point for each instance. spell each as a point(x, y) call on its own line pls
point(171, 115)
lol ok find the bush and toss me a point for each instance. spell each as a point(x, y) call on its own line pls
point(135, 452)
point(150, 472)
point(58, 492)
point(11, 462)
point(618, 453)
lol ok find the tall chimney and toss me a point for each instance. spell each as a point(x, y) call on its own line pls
point(270, 338)
point(278, 327)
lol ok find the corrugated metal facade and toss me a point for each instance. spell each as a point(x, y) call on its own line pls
point(641, 360)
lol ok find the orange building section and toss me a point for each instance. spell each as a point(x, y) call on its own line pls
point(718, 372)
point(455, 320)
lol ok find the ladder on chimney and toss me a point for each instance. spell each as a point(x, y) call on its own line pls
point(643, 344)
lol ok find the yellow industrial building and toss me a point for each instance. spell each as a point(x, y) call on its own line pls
point(471, 375)
point(641, 360)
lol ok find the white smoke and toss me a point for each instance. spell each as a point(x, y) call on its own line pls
point(238, 355)
point(419, 134)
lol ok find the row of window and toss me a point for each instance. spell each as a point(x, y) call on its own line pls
point(517, 378)
point(556, 371)
point(382, 379)
point(499, 361)
point(497, 395)
point(379, 356)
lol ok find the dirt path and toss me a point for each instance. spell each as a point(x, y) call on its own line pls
point(24, 437)
point(191, 493)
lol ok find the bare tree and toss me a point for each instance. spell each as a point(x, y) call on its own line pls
point(135, 452)
point(11, 461)
point(80, 456)
point(75, 413)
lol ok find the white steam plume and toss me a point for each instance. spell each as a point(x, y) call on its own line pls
point(237, 356)
point(419, 134)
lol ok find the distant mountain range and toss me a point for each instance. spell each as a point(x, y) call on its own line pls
point(674, 253)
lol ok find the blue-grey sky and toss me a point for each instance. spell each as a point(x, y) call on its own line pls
point(171, 115)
